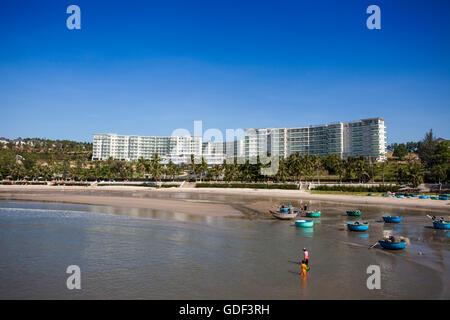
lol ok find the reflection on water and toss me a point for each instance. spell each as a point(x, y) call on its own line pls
point(154, 254)
point(306, 232)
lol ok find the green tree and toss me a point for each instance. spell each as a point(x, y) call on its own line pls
point(416, 172)
point(143, 166)
point(425, 149)
point(361, 169)
point(400, 151)
point(156, 170)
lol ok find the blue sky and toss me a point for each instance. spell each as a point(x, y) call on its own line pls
point(149, 67)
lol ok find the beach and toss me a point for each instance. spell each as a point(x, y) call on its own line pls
point(259, 200)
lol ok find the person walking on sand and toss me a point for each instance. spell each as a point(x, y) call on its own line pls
point(306, 256)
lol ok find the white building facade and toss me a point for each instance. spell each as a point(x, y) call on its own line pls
point(366, 137)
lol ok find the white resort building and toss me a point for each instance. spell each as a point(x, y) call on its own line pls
point(365, 137)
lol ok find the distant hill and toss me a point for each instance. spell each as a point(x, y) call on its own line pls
point(45, 149)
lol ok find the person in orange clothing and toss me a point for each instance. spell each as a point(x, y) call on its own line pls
point(304, 268)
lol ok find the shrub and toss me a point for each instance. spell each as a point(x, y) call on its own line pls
point(380, 188)
point(247, 185)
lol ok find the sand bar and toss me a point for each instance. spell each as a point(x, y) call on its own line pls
point(75, 194)
point(72, 195)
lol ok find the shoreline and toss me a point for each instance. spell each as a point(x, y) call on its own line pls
point(68, 194)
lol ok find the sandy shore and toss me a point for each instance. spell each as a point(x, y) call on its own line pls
point(88, 195)
point(73, 195)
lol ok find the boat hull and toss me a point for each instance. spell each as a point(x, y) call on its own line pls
point(392, 245)
point(313, 214)
point(284, 216)
point(304, 223)
point(357, 227)
point(392, 219)
point(441, 225)
point(351, 213)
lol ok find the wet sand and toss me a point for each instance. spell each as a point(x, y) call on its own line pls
point(66, 195)
point(168, 199)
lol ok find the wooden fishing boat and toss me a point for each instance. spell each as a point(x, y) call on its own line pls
point(392, 219)
point(304, 223)
point(424, 197)
point(393, 245)
point(358, 226)
point(354, 213)
point(284, 215)
point(441, 225)
point(312, 214)
point(443, 197)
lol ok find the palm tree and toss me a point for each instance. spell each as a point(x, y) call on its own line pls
point(295, 166)
point(383, 166)
point(416, 172)
point(142, 166)
point(246, 171)
point(201, 169)
point(156, 169)
point(361, 169)
point(282, 174)
point(231, 171)
point(338, 165)
point(349, 167)
point(316, 164)
point(215, 171)
point(172, 170)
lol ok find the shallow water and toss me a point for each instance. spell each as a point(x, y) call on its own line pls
point(149, 254)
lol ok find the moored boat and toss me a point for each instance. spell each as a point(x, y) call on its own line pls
point(443, 197)
point(390, 245)
point(392, 219)
point(441, 225)
point(424, 196)
point(304, 223)
point(312, 214)
point(354, 213)
point(284, 215)
point(358, 226)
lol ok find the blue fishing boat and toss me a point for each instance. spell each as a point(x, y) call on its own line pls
point(392, 219)
point(441, 225)
point(304, 223)
point(312, 214)
point(400, 196)
point(354, 213)
point(443, 197)
point(424, 197)
point(357, 226)
point(393, 245)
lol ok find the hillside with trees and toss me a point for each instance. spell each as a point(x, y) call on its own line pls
point(40, 159)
